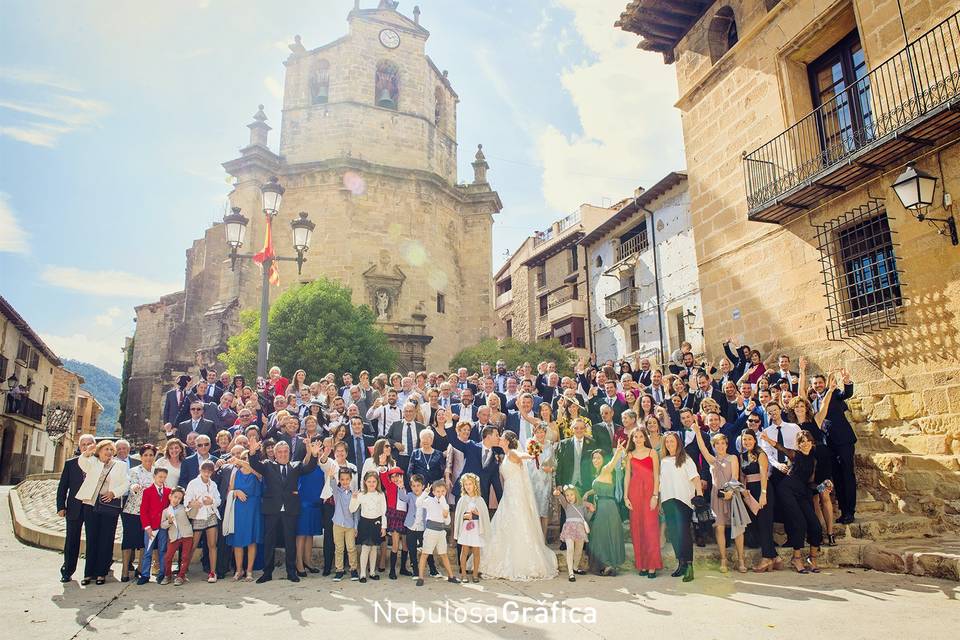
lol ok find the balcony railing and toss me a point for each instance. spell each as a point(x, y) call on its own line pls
point(888, 113)
point(23, 406)
point(623, 303)
point(504, 298)
point(556, 229)
point(637, 243)
point(559, 299)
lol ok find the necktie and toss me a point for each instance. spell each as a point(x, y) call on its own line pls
point(576, 462)
point(283, 473)
point(194, 425)
point(486, 456)
point(409, 439)
point(610, 431)
point(780, 456)
point(358, 449)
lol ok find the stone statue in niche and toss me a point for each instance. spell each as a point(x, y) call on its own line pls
point(383, 304)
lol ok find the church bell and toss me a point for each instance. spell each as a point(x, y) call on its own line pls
point(385, 100)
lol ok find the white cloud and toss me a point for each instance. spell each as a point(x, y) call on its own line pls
point(13, 239)
point(42, 124)
point(624, 100)
point(104, 351)
point(35, 77)
point(106, 318)
point(273, 86)
point(106, 283)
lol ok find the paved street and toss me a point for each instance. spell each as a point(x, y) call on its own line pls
point(862, 603)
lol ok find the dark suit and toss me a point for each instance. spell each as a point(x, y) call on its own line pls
point(602, 438)
point(222, 421)
point(395, 436)
point(367, 441)
point(190, 469)
point(664, 395)
point(775, 377)
point(70, 480)
point(599, 400)
point(842, 441)
point(489, 474)
point(204, 428)
point(467, 385)
point(174, 413)
point(481, 400)
point(566, 458)
point(713, 392)
point(466, 413)
point(280, 505)
point(643, 378)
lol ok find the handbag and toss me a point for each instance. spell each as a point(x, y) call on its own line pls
point(111, 507)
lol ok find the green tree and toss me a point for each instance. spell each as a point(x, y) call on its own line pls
point(314, 327)
point(515, 353)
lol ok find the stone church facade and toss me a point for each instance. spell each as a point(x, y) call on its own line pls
point(368, 148)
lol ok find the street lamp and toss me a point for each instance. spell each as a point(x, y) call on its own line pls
point(302, 232)
point(272, 193)
point(235, 226)
point(914, 187)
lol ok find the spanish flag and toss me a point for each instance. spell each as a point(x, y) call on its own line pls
point(267, 254)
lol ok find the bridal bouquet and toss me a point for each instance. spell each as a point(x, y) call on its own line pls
point(534, 449)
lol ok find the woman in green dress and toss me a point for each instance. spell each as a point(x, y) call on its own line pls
point(606, 548)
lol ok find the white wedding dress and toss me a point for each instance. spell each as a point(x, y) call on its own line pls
point(515, 549)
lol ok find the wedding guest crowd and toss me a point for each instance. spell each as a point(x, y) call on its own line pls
point(389, 469)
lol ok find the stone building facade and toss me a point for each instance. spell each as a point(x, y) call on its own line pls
point(798, 116)
point(644, 286)
point(541, 291)
point(368, 147)
point(27, 367)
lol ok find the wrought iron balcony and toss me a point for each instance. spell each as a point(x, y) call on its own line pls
point(557, 229)
point(907, 103)
point(636, 244)
point(623, 304)
point(23, 406)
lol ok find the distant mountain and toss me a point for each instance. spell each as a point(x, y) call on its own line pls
point(106, 389)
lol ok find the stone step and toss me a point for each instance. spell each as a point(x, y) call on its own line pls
point(876, 526)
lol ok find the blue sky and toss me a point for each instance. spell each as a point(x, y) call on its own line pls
point(115, 117)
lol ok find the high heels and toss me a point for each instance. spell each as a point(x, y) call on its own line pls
point(831, 540)
point(678, 571)
point(311, 569)
point(765, 565)
point(798, 565)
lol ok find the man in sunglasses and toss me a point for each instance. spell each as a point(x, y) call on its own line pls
point(196, 423)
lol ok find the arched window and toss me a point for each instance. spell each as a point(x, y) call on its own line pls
point(438, 106)
point(723, 33)
point(387, 93)
point(320, 82)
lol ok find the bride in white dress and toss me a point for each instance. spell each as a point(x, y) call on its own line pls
point(515, 549)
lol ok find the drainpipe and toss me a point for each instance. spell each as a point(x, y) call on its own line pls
point(656, 282)
point(589, 331)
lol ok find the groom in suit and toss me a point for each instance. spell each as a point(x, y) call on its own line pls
point(480, 458)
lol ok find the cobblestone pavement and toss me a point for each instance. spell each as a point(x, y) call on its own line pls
point(853, 602)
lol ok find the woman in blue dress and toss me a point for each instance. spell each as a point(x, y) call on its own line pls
point(247, 520)
point(310, 522)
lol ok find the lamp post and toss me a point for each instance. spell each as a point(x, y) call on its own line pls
point(235, 224)
point(914, 187)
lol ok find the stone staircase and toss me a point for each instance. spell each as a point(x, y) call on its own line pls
point(908, 472)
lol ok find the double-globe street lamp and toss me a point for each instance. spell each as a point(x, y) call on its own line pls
point(236, 229)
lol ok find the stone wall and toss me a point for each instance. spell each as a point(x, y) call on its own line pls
point(762, 283)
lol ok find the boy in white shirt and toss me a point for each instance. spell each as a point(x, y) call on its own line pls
point(436, 517)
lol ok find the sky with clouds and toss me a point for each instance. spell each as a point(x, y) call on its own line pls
point(115, 117)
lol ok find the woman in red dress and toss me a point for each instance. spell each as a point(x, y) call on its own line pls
point(641, 484)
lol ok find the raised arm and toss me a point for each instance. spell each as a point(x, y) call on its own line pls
point(710, 458)
point(821, 415)
point(773, 443)
point(802, 376)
